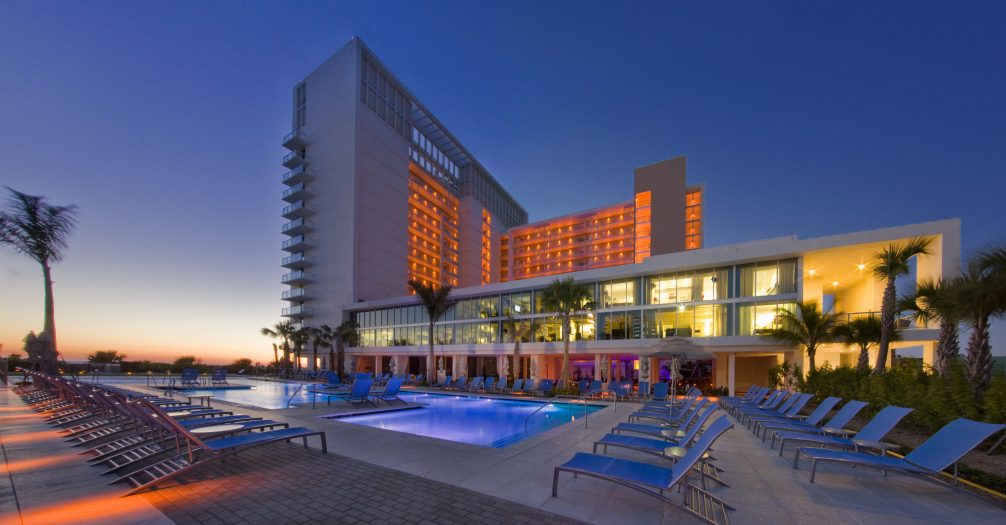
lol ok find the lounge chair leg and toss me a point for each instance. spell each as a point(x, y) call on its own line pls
point(796, 460)
point(813, 469)
point(555, 482)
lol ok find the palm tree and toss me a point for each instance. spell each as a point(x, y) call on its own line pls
point(318, 338)
point(436, 301)
point(980, 294)
point(299, 339)
point(283, 331)
point(807, 326)
point(324, 336)
point(344, 335)
point(518, 332)
point(933, 301)
point(39, 230)
point(888, 264)
point(565, 297)
point(861, 332)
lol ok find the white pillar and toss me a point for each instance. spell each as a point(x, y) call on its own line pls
point(731, 372)
point(535, 370)
point(597, 367)
point(377, 366)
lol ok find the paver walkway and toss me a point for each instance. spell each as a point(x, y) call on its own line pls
point(289, 484)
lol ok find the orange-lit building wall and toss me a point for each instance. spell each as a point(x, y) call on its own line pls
point(595, 239)
point(487, 247)
point(693, 219)
point(504, 258)
point(433, 230)
point(642, 229)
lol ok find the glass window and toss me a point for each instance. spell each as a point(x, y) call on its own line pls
point(754, 317)
point(710, 321)
point(618, 293)
point(768, 278)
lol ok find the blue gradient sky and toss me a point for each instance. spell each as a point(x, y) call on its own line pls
point(162, 120)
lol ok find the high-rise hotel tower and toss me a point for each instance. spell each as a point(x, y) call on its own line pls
point(379, 192)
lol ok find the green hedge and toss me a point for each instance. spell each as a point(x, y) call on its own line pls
point(937, 400)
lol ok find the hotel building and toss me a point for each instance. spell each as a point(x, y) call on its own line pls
point(379, 192)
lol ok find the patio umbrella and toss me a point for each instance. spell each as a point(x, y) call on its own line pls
point(393, 366)
point(677, 349)
point(501, 367)
point(605, 367)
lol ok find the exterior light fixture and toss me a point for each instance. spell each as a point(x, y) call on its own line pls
point(860, 266)
point(834, 283)
point(811, 272)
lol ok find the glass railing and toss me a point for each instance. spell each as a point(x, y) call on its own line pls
point(296, 223)
point(296, 258)
point(297, 311)
point(299, 275)
point(293, 207)
point(293, 155)
point(298, 293)
point(296, 134)
point(293, 189)
point(298, 171)
point(293, 241)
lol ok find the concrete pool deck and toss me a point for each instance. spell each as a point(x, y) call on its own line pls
point(764, 488)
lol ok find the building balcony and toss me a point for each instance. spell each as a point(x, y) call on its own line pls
point(297, 261)
point(297, 175)
point(297, 227)
point(296, 244)
point(297, 294)
point(296, 192)
point(296, 278)
point(295, 210)
point(296, 139)
point(298, 311)
point(293, 159)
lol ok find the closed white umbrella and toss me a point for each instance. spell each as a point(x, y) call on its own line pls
point(677, 349)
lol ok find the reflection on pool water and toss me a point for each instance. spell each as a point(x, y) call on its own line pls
point(262, 394)
point(475, 420)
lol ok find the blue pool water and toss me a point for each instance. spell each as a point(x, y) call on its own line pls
point(262, 394)
point(475, 420)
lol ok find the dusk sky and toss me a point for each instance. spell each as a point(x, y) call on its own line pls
point(163, 122)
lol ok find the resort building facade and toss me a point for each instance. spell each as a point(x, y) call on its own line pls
point(379, 192)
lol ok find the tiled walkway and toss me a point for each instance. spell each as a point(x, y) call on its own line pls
point(290, 484)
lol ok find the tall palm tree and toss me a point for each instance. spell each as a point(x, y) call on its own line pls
point(888, 265)
point(565, 297)
point(436, 301)
point(806, 326)
point(324, 336)
point(299, 339)
point(861, 332)
point(318, 338)
point(518, 332)
point(931, 301)
point(980, 294)
point(39, 230)
point(282, 331)
point(344, 335)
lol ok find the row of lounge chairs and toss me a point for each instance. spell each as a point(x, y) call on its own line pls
point(145, 440)
point(681, 435)
point(826, 439)
point(540, 387)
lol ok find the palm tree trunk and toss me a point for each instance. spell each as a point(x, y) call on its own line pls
point(49, 325)
point(340, 358)
point(515, 368)
point(811, 353)
point(431, 365)
point(331, 358)
point(564, 377)
point(275, 355)
point(947, 347)
point(979, 358)
point(863, 363)
point(886, 326)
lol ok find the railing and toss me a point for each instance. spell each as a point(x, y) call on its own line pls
point(528, 418)
point(288, 401)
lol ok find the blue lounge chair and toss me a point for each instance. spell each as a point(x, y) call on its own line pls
point(544, 387)
point(795, 423)
point(518, 385)
point(644, 390)
point(489, 384)
point(780, 411)
point(360, 393)
point(836, 423)
point(868, 437)
point(390, 392)
point(219, 377)
point(944, 448)
point(529, 387)
point(363, 375)
point(799, 401)
point(660, 391)
point(594, 389)
point(582, 385)
point(657, 430)
point(653, 480)
point(190, 377)
point(475, 385)
point(657, 447)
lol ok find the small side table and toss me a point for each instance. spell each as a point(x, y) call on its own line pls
point(878, 445)
point(204, 400)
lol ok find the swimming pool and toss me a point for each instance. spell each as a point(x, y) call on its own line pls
point(482, 421)
point(262, 394)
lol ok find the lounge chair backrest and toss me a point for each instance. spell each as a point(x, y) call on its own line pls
point(333, 378)
point(189, 373)
point(394, 385)
point(361, 388)
point(363, 375)
point(529, 385)
point(689, 417)
point(843, 416)
point(951, 443)
point(696, 425)
point(419, 378)
point(660, 391)
point(583, 384)
point(882, 423)
point(490, 382)
point(695, 452)
point(518, 384)
point(219, 374)
point(801, 401)
point(822, 410)
point(788, 403)
point(778, 397)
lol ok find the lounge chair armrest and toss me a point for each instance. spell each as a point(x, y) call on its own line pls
point(841, 432)
point(798, 417)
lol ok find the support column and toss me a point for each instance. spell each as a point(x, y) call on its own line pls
point(929, 354)
point(377, 366)
point(731, 372)
point(597, 367)
point(535, 371)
